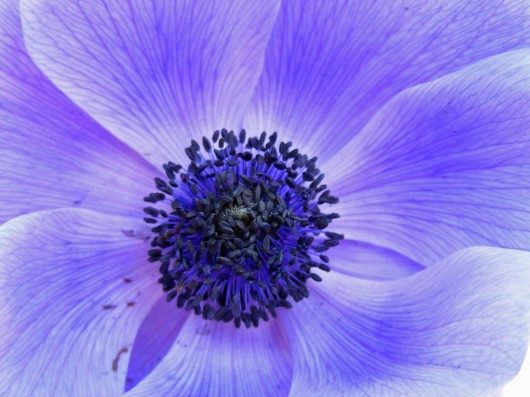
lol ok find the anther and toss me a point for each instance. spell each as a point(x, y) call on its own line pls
point(242, 230)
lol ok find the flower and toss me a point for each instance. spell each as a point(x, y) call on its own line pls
point(419, 115)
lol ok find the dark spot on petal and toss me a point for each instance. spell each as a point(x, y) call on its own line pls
point(109, 307)
point(129, 233)
point(135, 234)
point(204, 330)
point(116, 360)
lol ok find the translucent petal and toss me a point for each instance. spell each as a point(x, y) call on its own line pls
point(458, 328)
point(75, 286)
point(443, 166)
point(157, 73)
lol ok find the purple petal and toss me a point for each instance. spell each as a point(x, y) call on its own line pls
point(154, 73)
point(67, 279)
point(331, 64)
point(156, 335)
point(444, 165)
point(216, 359)
point(363, 260)
point(52, 154)
point(518, 386)
point(456, 329)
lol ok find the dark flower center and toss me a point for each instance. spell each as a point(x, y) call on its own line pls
point(241, 229)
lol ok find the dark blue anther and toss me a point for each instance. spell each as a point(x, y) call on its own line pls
point(241, 228)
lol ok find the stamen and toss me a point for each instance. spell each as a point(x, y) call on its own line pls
point(241, 229)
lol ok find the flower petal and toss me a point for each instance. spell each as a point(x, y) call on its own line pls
point(156, 335)
point(216, 359)
point(331, 64)
point(154, 73)
point(444, 165)
point(52, 154)
point(364, 260)
point(456, 329)
point(518, 386)
point(67, 278)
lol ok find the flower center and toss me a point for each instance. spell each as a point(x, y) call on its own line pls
point(241, 230)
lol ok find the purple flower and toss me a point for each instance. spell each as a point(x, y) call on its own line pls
point(419, 113)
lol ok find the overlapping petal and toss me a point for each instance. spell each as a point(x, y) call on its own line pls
point(154, 73)
point(458, 328)
point(75, 286)
point(52, 154)
point(213, 359)
point(331, 64)
point(368, 261)
point(443, 166)
point(156, 335)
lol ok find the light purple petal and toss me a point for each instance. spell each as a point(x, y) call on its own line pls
point(216, 359)
point(154, 73)
point(456, 329)
point(444, 165)
point(156, 335)
point(331, 64)
point(67, 280)
point(51, 153)
point(368, 261)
